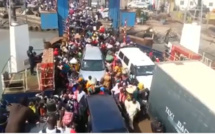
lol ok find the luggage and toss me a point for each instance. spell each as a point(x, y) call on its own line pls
point(157, 127)
point(109, 58)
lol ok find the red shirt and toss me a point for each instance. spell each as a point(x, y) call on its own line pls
point(102, 29)
point(157, 60)
point(73, 131)
point(56, 53)
point(101, 93)
point(150, 54)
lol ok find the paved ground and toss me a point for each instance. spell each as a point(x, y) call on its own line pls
point(143, 126)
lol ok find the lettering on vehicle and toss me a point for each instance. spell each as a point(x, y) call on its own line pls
point(180, 127)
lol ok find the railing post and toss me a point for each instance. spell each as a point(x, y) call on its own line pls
point(9, 66)
point(38, 77)
point(26, 79)
point(2, 80)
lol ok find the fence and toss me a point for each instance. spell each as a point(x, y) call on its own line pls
point(7, 77)
point(204, 59)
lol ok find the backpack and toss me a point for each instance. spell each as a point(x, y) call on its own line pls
point(57, 130)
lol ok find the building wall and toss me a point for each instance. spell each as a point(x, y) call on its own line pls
point(182, 4)
point(123, 3)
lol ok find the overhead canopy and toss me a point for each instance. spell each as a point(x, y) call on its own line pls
point(105, 115)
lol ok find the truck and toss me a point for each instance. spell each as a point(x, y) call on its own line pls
point(182, 97)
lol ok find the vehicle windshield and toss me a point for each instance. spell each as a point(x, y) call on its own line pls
point(92, 65)
point(144, 70)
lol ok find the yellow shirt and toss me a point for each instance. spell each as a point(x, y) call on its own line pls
point(140, 86)
point(88, 84)
point(33, 108)
point(118, 69)
point(77, 67)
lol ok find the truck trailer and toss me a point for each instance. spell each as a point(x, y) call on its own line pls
point(182, 97)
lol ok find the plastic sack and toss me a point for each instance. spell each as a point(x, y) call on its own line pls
point(109, 58)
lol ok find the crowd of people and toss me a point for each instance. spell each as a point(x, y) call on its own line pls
point(66, 110)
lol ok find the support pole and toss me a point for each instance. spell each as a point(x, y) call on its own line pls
point(201, 14)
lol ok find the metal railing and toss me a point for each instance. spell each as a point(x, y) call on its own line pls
point(7, 76)
point(204, 59)
point(207, 61)
point(7, 69)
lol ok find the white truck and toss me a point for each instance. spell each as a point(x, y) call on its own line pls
point(182, 97)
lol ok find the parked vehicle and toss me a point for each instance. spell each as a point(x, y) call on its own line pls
point(182, 97)
point(94, 4)
point(138, 4)
point(92, 63)
point(140, 65)
point(144, 5)
point(105, 116)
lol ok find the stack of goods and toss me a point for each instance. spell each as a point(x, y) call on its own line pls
point(46, 69)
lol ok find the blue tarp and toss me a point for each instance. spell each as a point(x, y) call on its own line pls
point(49, 21)
point(105, 114)
point(62, 10)
point(114, 12)
point(130, 17)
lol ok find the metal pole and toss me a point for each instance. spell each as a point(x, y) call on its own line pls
point(9, 12)
point(185, 14)
point(201, 14)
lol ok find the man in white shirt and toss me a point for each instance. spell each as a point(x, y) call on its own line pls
point(132, 108)
point(116, 90)
point(51, 125)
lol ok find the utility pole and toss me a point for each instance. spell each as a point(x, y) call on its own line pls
point(201, 12)
point(89, 3)
point(9, 12)
point(185, 14)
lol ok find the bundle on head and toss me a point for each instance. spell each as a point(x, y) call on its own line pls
point(47, 44)
point(65, 37)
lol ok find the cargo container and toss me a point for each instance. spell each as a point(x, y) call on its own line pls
point(182, 97)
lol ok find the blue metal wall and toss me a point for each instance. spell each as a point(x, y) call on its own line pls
point(129, 16)
point(62, 9)
point(49, 21)
point(114, 12)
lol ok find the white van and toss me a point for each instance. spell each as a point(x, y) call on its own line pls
point(92, 63)
point(139, 4)
point(138, 64)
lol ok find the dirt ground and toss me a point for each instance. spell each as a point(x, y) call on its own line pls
point(207, 40)
point(143, 126)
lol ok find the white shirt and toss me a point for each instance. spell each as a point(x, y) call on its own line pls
point(71, 5)
point(67, 130)
point(132, 108)
point(51, 131)
point(116, 89)
point(80, 95)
